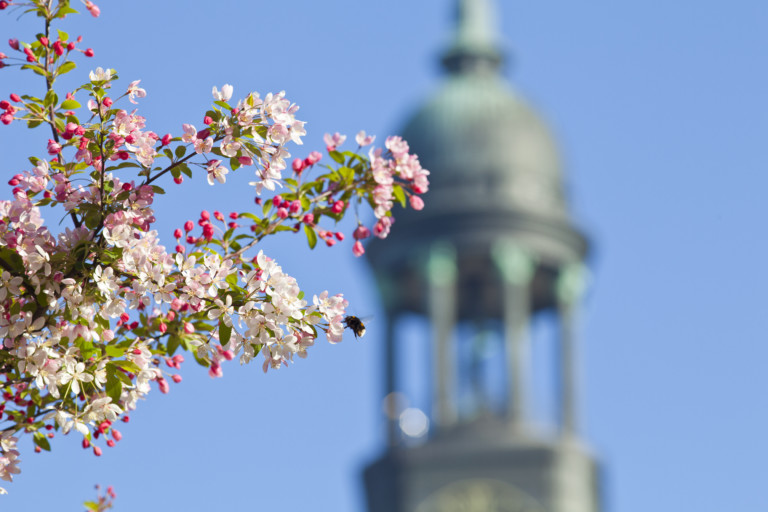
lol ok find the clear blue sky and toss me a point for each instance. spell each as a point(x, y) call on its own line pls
point(661, 113)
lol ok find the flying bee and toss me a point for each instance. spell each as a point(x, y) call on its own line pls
point(355, 325)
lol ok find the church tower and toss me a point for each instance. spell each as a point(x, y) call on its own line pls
point(494, 247)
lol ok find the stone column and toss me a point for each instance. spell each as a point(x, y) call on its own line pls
point(517, 270)
point(442, 277)
point(570, 287)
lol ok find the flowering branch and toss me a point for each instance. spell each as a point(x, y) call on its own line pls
point(93, 315)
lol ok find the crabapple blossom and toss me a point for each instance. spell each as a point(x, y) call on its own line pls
point(90, 308)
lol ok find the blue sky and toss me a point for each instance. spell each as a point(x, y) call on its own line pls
point(660, 110)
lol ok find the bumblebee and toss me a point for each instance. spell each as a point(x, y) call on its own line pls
point(355, 325)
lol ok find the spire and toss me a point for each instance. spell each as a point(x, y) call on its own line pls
point(475, 40)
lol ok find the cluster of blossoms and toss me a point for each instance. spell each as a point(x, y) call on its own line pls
point(92, 317)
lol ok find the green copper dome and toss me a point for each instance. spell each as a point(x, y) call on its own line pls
point(495, 168)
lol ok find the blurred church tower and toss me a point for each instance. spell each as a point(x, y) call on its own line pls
point(494, 247)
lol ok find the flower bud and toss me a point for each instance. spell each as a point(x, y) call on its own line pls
point(417, 203)
point(88, 52)
point(358, 249)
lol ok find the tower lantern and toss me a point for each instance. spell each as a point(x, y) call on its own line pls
point(494, 245)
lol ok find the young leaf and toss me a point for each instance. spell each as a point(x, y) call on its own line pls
point(311, 236)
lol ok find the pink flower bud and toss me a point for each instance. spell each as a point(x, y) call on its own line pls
point(107, 101)
point(339, 236)
point(181, 249)
point(110, 443)
point(4, 104)
point(188, 226)
point(163, 328)
point(228, 355)
point(308, 218)
point(217, 215)
point(6, 119)
point(338, 207)
point(176, 378)
point(207, 120)
point(245, 160)
point(13, 43)
point(162, 384)
point(166, 139)
point(205, 215)
point(361, 232)
point(208, 232)
point(71, 46)
point(178, 180)
point(54, 147)
point(117, 435)
point(233, 215)
point(417, 203)
point(58, 48)
point(358, 249)
point(3, 5)
point(43, 40)
point(86, 443)
point(88, 52)
point(97, 451)
point(15, 97)
point(295, 206)
point(282, 213)
point(189, 328)
point(177, 233)
point(298, 165)
point(314, 157)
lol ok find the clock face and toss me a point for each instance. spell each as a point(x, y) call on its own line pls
point(479, 495)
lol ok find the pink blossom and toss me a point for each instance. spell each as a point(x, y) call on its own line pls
point(361, 232)
point(417, 203)
point(54, 147)
point(134, 91)
point(334, 141)
point(92, 8)
point(364, 140)
point(358, 249)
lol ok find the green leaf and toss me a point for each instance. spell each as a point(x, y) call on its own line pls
point(66, 67)
point(311, 236)
point(63, 35)
point(35, 69)
point(158, 190)
point(42, 441)
point(347, 173)
point(173, 345)
point(223, 104)
point(114, 352)
point(70, 104)
point(114, 386)
point(338, 157)
point(51, 98)
point(397, 191)
point(91, 505)
point(12, 260)
point(180, 151)
point(225, 332)
point(128, 366)
point(249, 215)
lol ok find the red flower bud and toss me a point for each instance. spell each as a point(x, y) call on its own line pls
point(43, 41)
point(15, 97)
point(88, 52)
